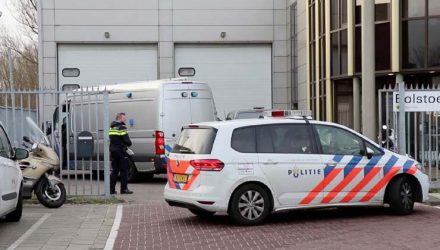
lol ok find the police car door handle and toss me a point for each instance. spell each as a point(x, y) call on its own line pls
point(270, 162)
point(331, 164)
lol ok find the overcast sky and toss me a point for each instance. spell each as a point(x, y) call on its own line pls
point(7, 18)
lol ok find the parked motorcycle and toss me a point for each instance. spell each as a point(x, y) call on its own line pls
point(36, 169)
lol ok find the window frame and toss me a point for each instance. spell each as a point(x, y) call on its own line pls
point(310, 135)
point(255, 138)
point(312, 138)
point(364, 142)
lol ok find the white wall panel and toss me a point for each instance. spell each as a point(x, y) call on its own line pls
point(223, 4)
point(239, 75)
point(106, 4)
point(48, 17)
point(106, 17)
point(107, 64)
point(233, 33)
point(96, 33)
point(48, 4)
point(48, 33)
point(165, 4)
point(223, 17)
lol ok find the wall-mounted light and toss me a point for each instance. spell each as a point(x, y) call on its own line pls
point(223, 34)
point(107, 34)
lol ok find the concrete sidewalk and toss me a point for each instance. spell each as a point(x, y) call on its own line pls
point(69, 227)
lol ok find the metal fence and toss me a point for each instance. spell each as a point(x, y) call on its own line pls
point(64, 116)
point(421, 132)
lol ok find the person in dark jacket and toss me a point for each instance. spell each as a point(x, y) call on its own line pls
point(119, 143)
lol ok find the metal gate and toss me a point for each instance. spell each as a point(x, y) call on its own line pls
point(70, 120)
point(421, 131)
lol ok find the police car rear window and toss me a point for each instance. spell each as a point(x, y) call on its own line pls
point(195, 141)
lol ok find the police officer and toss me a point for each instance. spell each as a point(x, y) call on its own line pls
point(119, 142)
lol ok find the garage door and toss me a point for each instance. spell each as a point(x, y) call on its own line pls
point(240, 75)
point(95, 64)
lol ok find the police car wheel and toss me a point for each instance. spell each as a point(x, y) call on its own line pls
point(401, 196)
point(249, 205)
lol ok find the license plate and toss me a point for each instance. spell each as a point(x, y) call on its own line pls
point(181, 178)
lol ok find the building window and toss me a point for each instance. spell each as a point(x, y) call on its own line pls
point(343, 111)
point(383, 52)
point(420, 37)
point(339, 49)
point(413, 8)
point(433, 42)
point(434, 8)
point(294, 54)
point(382, 37)
point(381, 12)
point(312, 54)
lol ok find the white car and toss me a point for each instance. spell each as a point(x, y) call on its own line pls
point(250, 168)
point(11, 179)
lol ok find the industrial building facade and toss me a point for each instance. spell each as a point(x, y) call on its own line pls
point(241, 48)
point(406, 48)
point(289, 54)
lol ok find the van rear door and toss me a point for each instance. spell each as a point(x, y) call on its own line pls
point(176, 112)
point(202, 103)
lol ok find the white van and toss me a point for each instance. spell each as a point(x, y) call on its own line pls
point(156, 112)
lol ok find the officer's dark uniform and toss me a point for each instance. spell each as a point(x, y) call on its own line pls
point(119, 142)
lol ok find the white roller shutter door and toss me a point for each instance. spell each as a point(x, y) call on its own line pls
point(106, 63)
point(240, 75)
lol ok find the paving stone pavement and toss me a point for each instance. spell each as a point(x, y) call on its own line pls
point(149, 223)
point(71, 227)
point(158, 226)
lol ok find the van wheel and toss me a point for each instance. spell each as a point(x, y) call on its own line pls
point(133, 174)
point(201, 213)
point(401, 196)
point(16, 214)
point(249, 205)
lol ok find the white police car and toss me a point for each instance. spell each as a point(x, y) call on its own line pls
point(11, 179)
point(250, 168)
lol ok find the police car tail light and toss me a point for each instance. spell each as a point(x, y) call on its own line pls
point(207, 165)
point(159, 143)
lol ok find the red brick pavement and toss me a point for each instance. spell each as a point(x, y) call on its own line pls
point(156, 225)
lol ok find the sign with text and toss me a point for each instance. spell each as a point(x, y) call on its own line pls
point(418, 101)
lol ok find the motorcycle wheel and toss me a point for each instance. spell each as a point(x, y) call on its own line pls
point(50, 198)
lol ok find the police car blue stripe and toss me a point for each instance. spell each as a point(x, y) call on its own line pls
point(352, 164)
point(390, 164)
point(168, 148)
point(370, 165)
point(328, 169)
point(178, 186)
point(338, 158)
point(407, 165)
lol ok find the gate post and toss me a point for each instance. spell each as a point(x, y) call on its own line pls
point(402, 128)
point(106, 145)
